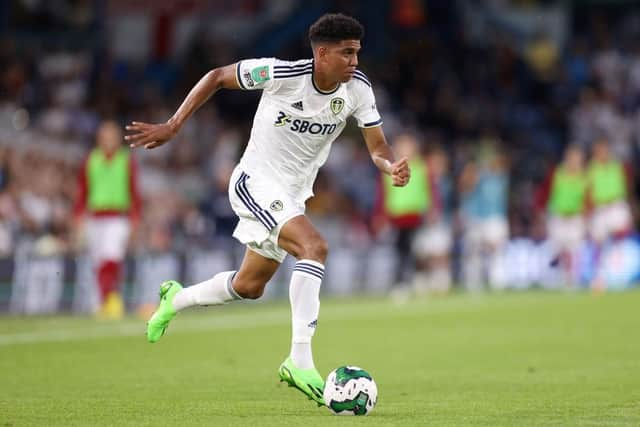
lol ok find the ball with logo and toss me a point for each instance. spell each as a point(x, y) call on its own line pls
point(350, 390)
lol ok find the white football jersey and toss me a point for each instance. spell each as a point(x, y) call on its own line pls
point(296, 122)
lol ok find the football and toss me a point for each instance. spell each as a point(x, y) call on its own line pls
point(350, 390)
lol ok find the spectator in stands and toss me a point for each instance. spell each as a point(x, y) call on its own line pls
point(108, 195)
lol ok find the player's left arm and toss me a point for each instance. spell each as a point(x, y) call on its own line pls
point(382, 156)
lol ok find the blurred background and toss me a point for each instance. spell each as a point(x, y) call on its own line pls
point(521, 116)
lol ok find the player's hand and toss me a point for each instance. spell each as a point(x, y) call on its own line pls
point(400, 172)
point(149, 135)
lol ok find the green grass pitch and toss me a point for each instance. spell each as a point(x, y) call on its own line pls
point(516, 359)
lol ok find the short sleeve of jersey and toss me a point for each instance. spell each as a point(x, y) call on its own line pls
point(366, 113)
point(255, 74)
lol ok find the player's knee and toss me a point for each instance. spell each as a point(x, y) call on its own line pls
point(316, 250)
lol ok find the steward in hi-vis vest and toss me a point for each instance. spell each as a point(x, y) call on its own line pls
point(608, 191)
point(405, 208)
point(108, 198)
point(564, 197)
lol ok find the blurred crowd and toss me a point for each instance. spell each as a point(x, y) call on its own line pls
point(488, 119)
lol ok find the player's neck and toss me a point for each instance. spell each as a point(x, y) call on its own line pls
point(322, 81)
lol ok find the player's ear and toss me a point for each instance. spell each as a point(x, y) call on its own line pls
point(321, 51)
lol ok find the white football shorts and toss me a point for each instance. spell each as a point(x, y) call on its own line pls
point(263, 207)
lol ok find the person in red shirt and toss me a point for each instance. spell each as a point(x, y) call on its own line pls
point(106, 211)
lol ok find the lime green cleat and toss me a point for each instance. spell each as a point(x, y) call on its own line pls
point(157, 325)
point(307, 381)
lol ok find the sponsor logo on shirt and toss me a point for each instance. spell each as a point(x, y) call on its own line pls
point(304, 126)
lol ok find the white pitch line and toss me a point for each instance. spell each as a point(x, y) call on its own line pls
point(126, 330)
point(203, 322)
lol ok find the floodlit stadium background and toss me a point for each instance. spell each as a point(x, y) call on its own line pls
point(513, 80)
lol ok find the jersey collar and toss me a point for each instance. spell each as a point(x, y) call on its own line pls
point(313, 82)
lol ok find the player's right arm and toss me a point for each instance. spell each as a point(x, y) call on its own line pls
point(151, 135)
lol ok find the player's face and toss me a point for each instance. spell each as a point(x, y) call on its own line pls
point(342, 59)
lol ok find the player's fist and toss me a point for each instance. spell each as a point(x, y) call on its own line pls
point(400, 172)
point(149, 135)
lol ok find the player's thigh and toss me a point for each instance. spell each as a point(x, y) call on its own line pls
point(255, 271)
point(302, 240)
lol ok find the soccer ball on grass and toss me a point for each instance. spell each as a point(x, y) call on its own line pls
point(350, 390)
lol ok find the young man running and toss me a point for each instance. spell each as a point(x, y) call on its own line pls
point(304, 107)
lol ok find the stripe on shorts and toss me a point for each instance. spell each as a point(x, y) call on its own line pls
point(243, 193)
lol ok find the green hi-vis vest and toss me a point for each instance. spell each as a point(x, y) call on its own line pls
point(414, 198)
point(608, 182)
point(567, 193)
point(108, 181)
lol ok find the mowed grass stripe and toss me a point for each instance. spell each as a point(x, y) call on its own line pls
point(251, 315)
point(496, 360)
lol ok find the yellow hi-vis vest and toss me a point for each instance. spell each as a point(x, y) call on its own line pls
point(413, 198)
point(608, 182)
point(567, 193)
point(108, 181)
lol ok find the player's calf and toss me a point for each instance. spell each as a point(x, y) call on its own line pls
point(249, 289)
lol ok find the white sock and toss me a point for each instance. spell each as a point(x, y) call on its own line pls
point(304, 295)
point(215, 291)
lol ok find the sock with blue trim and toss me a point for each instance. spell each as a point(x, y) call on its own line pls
point(304, 296)
point(215, 291)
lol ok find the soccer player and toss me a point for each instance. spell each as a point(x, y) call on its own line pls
point(303, 108)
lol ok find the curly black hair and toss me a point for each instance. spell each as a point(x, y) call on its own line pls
point(335, 27)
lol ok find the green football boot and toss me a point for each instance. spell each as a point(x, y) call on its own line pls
point(157, 325)
point(307, 381)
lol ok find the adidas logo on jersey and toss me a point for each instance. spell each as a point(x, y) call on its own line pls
point(298, 105)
